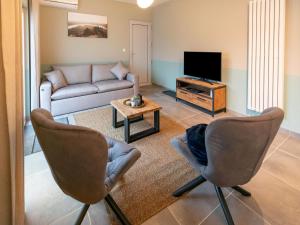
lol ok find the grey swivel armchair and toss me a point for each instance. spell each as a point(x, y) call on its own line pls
point(236, 148)
point(84, 163)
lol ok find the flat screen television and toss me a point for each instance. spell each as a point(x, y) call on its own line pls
point(203, 65)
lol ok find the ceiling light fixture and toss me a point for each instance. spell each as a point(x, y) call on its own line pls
point(144, 3)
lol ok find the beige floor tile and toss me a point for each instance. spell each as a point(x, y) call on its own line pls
point(152, 89)
point(197, 110)
point(277, 202)
point(153, 95)
point(241, 215)
point(35, 163)
point(162, 98)
point(99, 214)
point(194, 120)
point(270, 152)
point(44, 201)
point(202, 117)
point(163, 102)
point(178, 113)
point(162, 218)
point(28, 139)
point(285, 167)
point(292, 146)
point(71, 219)
point(280, 137)
point(192, 208)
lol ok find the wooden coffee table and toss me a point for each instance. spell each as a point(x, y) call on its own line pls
point(132, 115)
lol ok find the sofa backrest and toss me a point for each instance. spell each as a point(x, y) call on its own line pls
point(76, 74)
point(102, 72)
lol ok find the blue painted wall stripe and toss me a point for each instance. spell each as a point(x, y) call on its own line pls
point(164, 73)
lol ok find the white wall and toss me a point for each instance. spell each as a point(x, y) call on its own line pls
point(57, 47)
point(292, 59)
point(201, 25)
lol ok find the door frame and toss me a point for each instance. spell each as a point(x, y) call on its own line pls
point(149, 50)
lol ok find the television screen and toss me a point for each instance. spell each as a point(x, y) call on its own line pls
point(204, 65)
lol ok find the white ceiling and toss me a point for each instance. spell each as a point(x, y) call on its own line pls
point(156, 2)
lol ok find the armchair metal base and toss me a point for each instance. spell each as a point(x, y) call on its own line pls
point(224, 205)
point(82, 214)
point(120, 215)
point(199, 180)
point(242, 191)
point(112, 204)
point(189, 186)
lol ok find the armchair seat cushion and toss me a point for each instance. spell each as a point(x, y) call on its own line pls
point(113, 85)
point(74, 90)
point(121, 157)
point(181, 146)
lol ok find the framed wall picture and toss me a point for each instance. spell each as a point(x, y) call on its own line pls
point(87, 26)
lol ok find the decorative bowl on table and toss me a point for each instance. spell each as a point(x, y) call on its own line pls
point(135, 102)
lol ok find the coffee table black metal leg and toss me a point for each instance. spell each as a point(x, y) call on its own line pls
point(117, 124)
point(115, 118)
point(155, 129)
point(127, 130)
point(156, 121)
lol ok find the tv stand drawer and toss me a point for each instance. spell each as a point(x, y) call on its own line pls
point(195, 99)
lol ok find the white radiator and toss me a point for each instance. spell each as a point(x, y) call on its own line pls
point(266, 54)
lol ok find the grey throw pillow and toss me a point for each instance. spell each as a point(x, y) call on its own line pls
point(119, 71)
point(57, 79)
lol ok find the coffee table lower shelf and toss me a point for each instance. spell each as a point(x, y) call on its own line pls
point(129, 138)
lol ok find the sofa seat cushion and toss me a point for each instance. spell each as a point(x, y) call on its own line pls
point(113, 85)
point(74, 90)
point(76, 74)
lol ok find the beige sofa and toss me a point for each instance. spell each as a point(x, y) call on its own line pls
point(89, 86)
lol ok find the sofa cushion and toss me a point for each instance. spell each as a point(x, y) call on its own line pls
point(76, 74)
point(102, 72)
point(112, 85)
point(74, 90)
point(57, 79)
point(119, 71)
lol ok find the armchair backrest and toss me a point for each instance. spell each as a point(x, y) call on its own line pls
point(236, 146)
point(77, 156)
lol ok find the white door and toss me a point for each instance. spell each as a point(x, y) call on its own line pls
point(140, 60)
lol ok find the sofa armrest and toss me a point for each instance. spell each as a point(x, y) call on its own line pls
point(45, 95)
point(135, 80)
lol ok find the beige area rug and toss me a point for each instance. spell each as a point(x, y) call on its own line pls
point(148, 185)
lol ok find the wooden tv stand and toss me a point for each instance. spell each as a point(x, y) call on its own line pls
point(211, 97)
